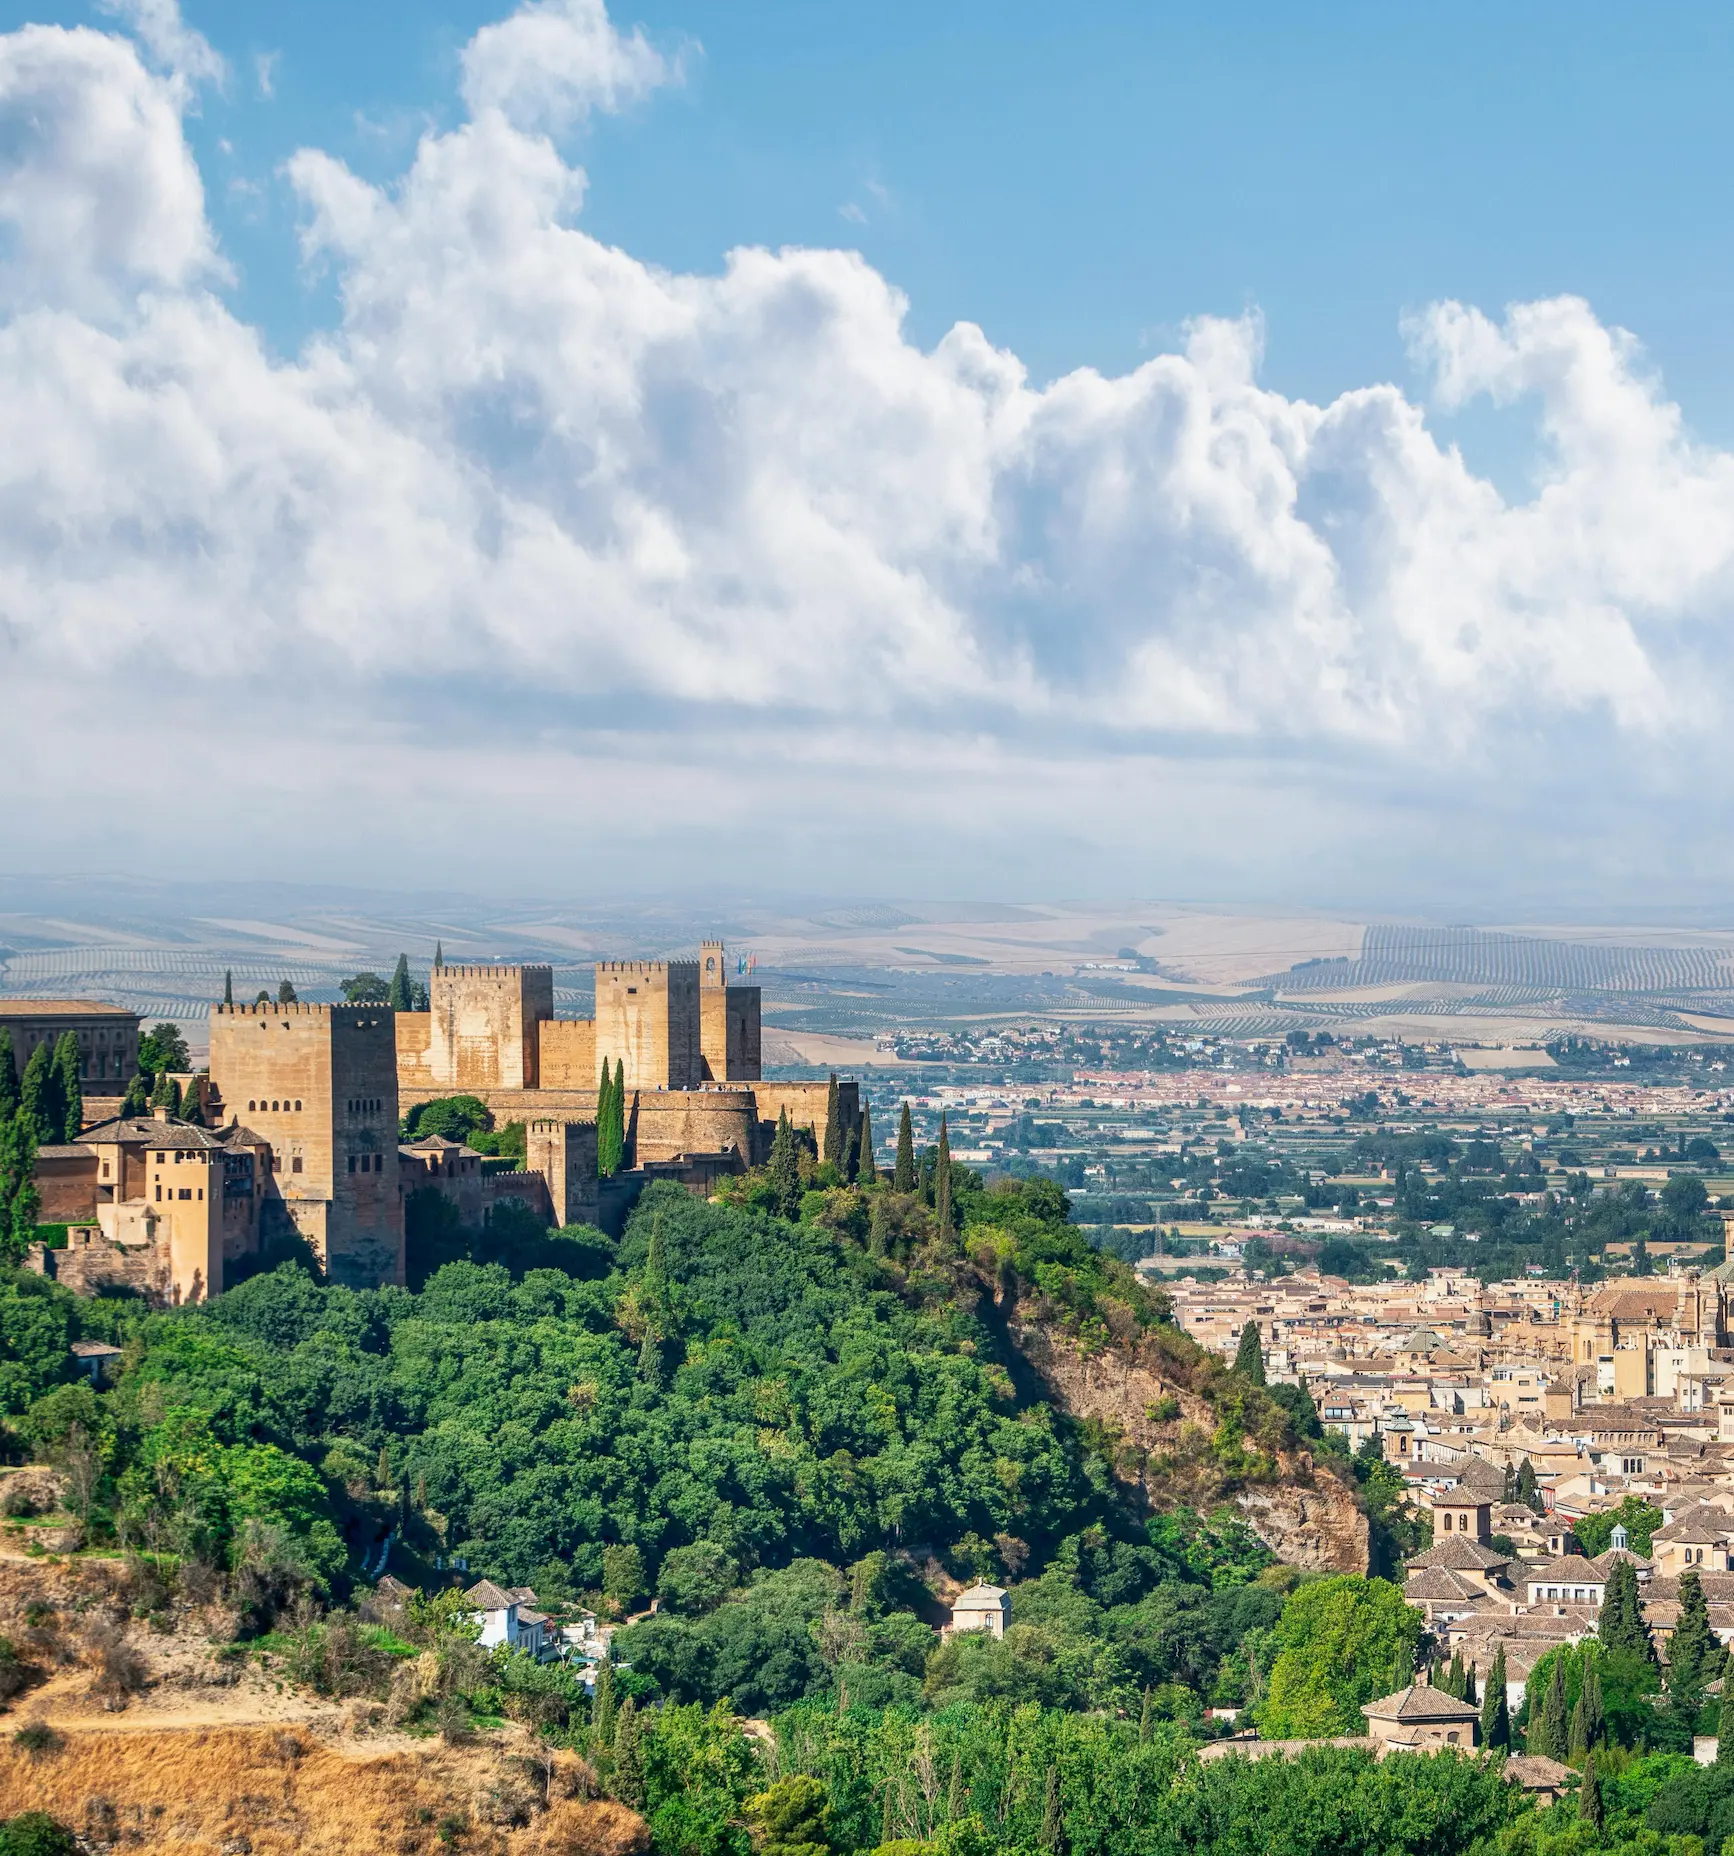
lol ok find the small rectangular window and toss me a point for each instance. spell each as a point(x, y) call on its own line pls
point(295, 1164)
point(186, 1192)
point(159, 1192)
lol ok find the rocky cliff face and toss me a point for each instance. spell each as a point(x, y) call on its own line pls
point(1308, 1518)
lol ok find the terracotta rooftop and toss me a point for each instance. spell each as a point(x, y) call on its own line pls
point(1419, 1703)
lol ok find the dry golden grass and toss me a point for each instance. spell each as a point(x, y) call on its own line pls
point(278, 1792)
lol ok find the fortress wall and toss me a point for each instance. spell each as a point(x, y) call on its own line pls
point(415, 1051)
point(806, 1104)
point(566, 1054)
point(670, 1121)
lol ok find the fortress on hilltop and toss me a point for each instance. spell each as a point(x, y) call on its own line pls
point(305, 1101)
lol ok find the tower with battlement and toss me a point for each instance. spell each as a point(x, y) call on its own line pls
point(319, 1083)
point(728, 1020)
point(482, 1029)
point(647, 1018)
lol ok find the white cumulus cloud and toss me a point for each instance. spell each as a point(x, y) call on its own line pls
point(554, 61)
point(544, 545)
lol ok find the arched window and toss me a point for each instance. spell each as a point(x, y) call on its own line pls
point(297, 1106)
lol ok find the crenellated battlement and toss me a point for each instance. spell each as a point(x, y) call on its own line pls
point(340, 1014)
point(490, 973)
point(645, 968)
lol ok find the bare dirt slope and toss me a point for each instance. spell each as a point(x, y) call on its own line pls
point(206, 1754)
point(1307, 1518)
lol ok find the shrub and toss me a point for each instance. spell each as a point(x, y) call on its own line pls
point(120, 1670)
point(37, 1737)
point(36, 1834)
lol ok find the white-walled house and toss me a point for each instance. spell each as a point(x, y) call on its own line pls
point(982, 1607)
point(509, 1618)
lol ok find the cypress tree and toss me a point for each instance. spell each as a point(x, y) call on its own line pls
point(1547, 1735)
point(903, 1177)
point(1495, 1708)
point(784, 1168)
point(1249, 1357)
point(138, 1096)
point(190, 1109)
point(1471, 1693)
point(610, 1122)
point(9, 1096)
point(1589, 1796)
point(833, 1127)
point(1693, 1649)
point(66, 1068)
point(602, 1707)
point(399, 997)
point(628, 1781)
point(439, 956)
point(166, 1094)
point(942, 1179)
point(865, 1171)
point(1147, 1718)
point(1621, 1626)
point(1453, 1683)
point(41, 1099)
point(1526, 1490)
point(1725, 1727)
point(1595, 1720)
point(228, 985)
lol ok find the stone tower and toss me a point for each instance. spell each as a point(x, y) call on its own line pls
point(319, 1083)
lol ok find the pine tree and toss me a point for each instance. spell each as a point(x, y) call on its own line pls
point(9, 1096)
point(903, 1176)
point(67, 1063)
point(286, 992)
point(865, 1171)
point(400, 998)
point(1249, 1357)
point(1547, 1734)
point(784, 1168)
point(1589, 1796)
point(942, 1179)
point(41, 1098)
point(833, 1126)
point(1495, 1707)
point(628, 1781)
point(1692, 1650)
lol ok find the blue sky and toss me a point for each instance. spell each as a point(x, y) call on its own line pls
point(1082, 180)
point(500, 420)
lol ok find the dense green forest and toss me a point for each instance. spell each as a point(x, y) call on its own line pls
point(790, 1433)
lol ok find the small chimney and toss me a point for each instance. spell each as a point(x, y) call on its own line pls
point(161, 1111)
